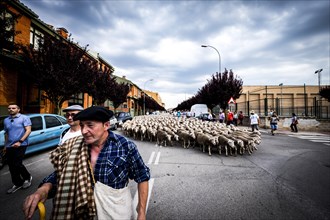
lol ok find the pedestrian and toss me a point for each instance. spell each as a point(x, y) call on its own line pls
point(230, 118)
point(254, 121)
point(222, 116)
point(273, 122)
point(17, 129)
point(74, 129)
point(294, 122)
point(209, 117)
point(235, 118)
point(178, 114)
point(92, 167)
point(240, 118)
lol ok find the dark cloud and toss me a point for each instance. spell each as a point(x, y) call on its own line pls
point(162, 39)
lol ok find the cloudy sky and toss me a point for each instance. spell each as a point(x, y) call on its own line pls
point(263, 42)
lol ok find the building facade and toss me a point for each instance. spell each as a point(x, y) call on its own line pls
point(302, 100)
point(13, 88)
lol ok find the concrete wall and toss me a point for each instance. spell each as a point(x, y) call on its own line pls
point(305, 124)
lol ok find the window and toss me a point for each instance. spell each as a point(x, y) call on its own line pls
point(62, 120)
point(7, 29)
point(52, 121)
point(36, 123)
point(77, 99)
point(35, 37)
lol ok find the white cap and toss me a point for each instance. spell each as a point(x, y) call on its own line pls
point(73, 108)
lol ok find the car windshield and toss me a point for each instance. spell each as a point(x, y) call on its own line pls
point(120, 114)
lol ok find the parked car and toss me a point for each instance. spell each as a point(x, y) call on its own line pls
point(205, 117)
point(45, 132)
point(122, 117)
point(113, 123)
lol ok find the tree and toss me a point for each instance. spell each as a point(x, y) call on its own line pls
point(119, 94)
point(7, 28)
point(222, 86)
point(325, 92)
point(100, 87)
point(216, 91)
point(59, 67)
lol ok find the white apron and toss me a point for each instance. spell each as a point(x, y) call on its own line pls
point(112, 204)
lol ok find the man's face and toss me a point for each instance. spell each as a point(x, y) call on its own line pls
point(69, 117)
point(13, 110)
point(94, 132)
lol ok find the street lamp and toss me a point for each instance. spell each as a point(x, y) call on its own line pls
point(281, 84)
point(319, 72)
point(218, 54)
point(144, 95)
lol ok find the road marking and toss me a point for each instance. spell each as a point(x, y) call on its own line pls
point(29, 164)
point(157, 158)
point(324, 139)
point(151, 157)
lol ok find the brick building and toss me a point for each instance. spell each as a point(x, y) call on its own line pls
point(13, 89)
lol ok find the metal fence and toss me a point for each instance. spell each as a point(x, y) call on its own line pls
point(306, 107)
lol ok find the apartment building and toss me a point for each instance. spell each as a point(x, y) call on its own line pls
point(13, 88)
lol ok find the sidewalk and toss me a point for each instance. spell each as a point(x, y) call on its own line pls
point(288, 132)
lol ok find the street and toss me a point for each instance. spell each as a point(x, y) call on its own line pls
point(286, 178)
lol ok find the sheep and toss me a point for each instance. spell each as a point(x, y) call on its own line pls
point(206, 140)
point(163, 137)
point(186, 137)
point(225, 142)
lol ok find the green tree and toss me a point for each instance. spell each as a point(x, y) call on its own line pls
point(59, 67)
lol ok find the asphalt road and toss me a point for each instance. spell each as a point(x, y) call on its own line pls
point(286, 178)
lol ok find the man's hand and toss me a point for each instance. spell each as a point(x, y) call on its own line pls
point(31, 202)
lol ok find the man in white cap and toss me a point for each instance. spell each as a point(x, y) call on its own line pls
point(74, 129)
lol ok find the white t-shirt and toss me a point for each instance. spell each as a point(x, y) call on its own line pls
point(254, 119)
point(69, 135)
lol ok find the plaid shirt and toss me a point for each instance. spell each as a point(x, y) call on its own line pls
point(118, 161)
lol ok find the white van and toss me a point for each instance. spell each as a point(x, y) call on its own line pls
point(198, 109)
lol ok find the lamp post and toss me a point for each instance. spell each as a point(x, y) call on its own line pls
point(281, 84)
point(144, 95)
point(319, 72)
point(218, 54)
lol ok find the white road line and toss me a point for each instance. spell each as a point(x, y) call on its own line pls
point(136, 198)
point(29, 164)
point(157, 158)
point(320, 141)
point(151, 157)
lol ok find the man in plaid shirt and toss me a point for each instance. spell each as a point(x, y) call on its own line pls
point(113, 158)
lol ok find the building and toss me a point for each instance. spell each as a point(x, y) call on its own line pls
point(284, 99)
point(156, 97)
point(13, 88)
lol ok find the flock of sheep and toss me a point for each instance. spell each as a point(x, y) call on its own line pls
point(192, 132)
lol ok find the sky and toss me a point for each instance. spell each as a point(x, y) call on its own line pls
point(157, 44)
